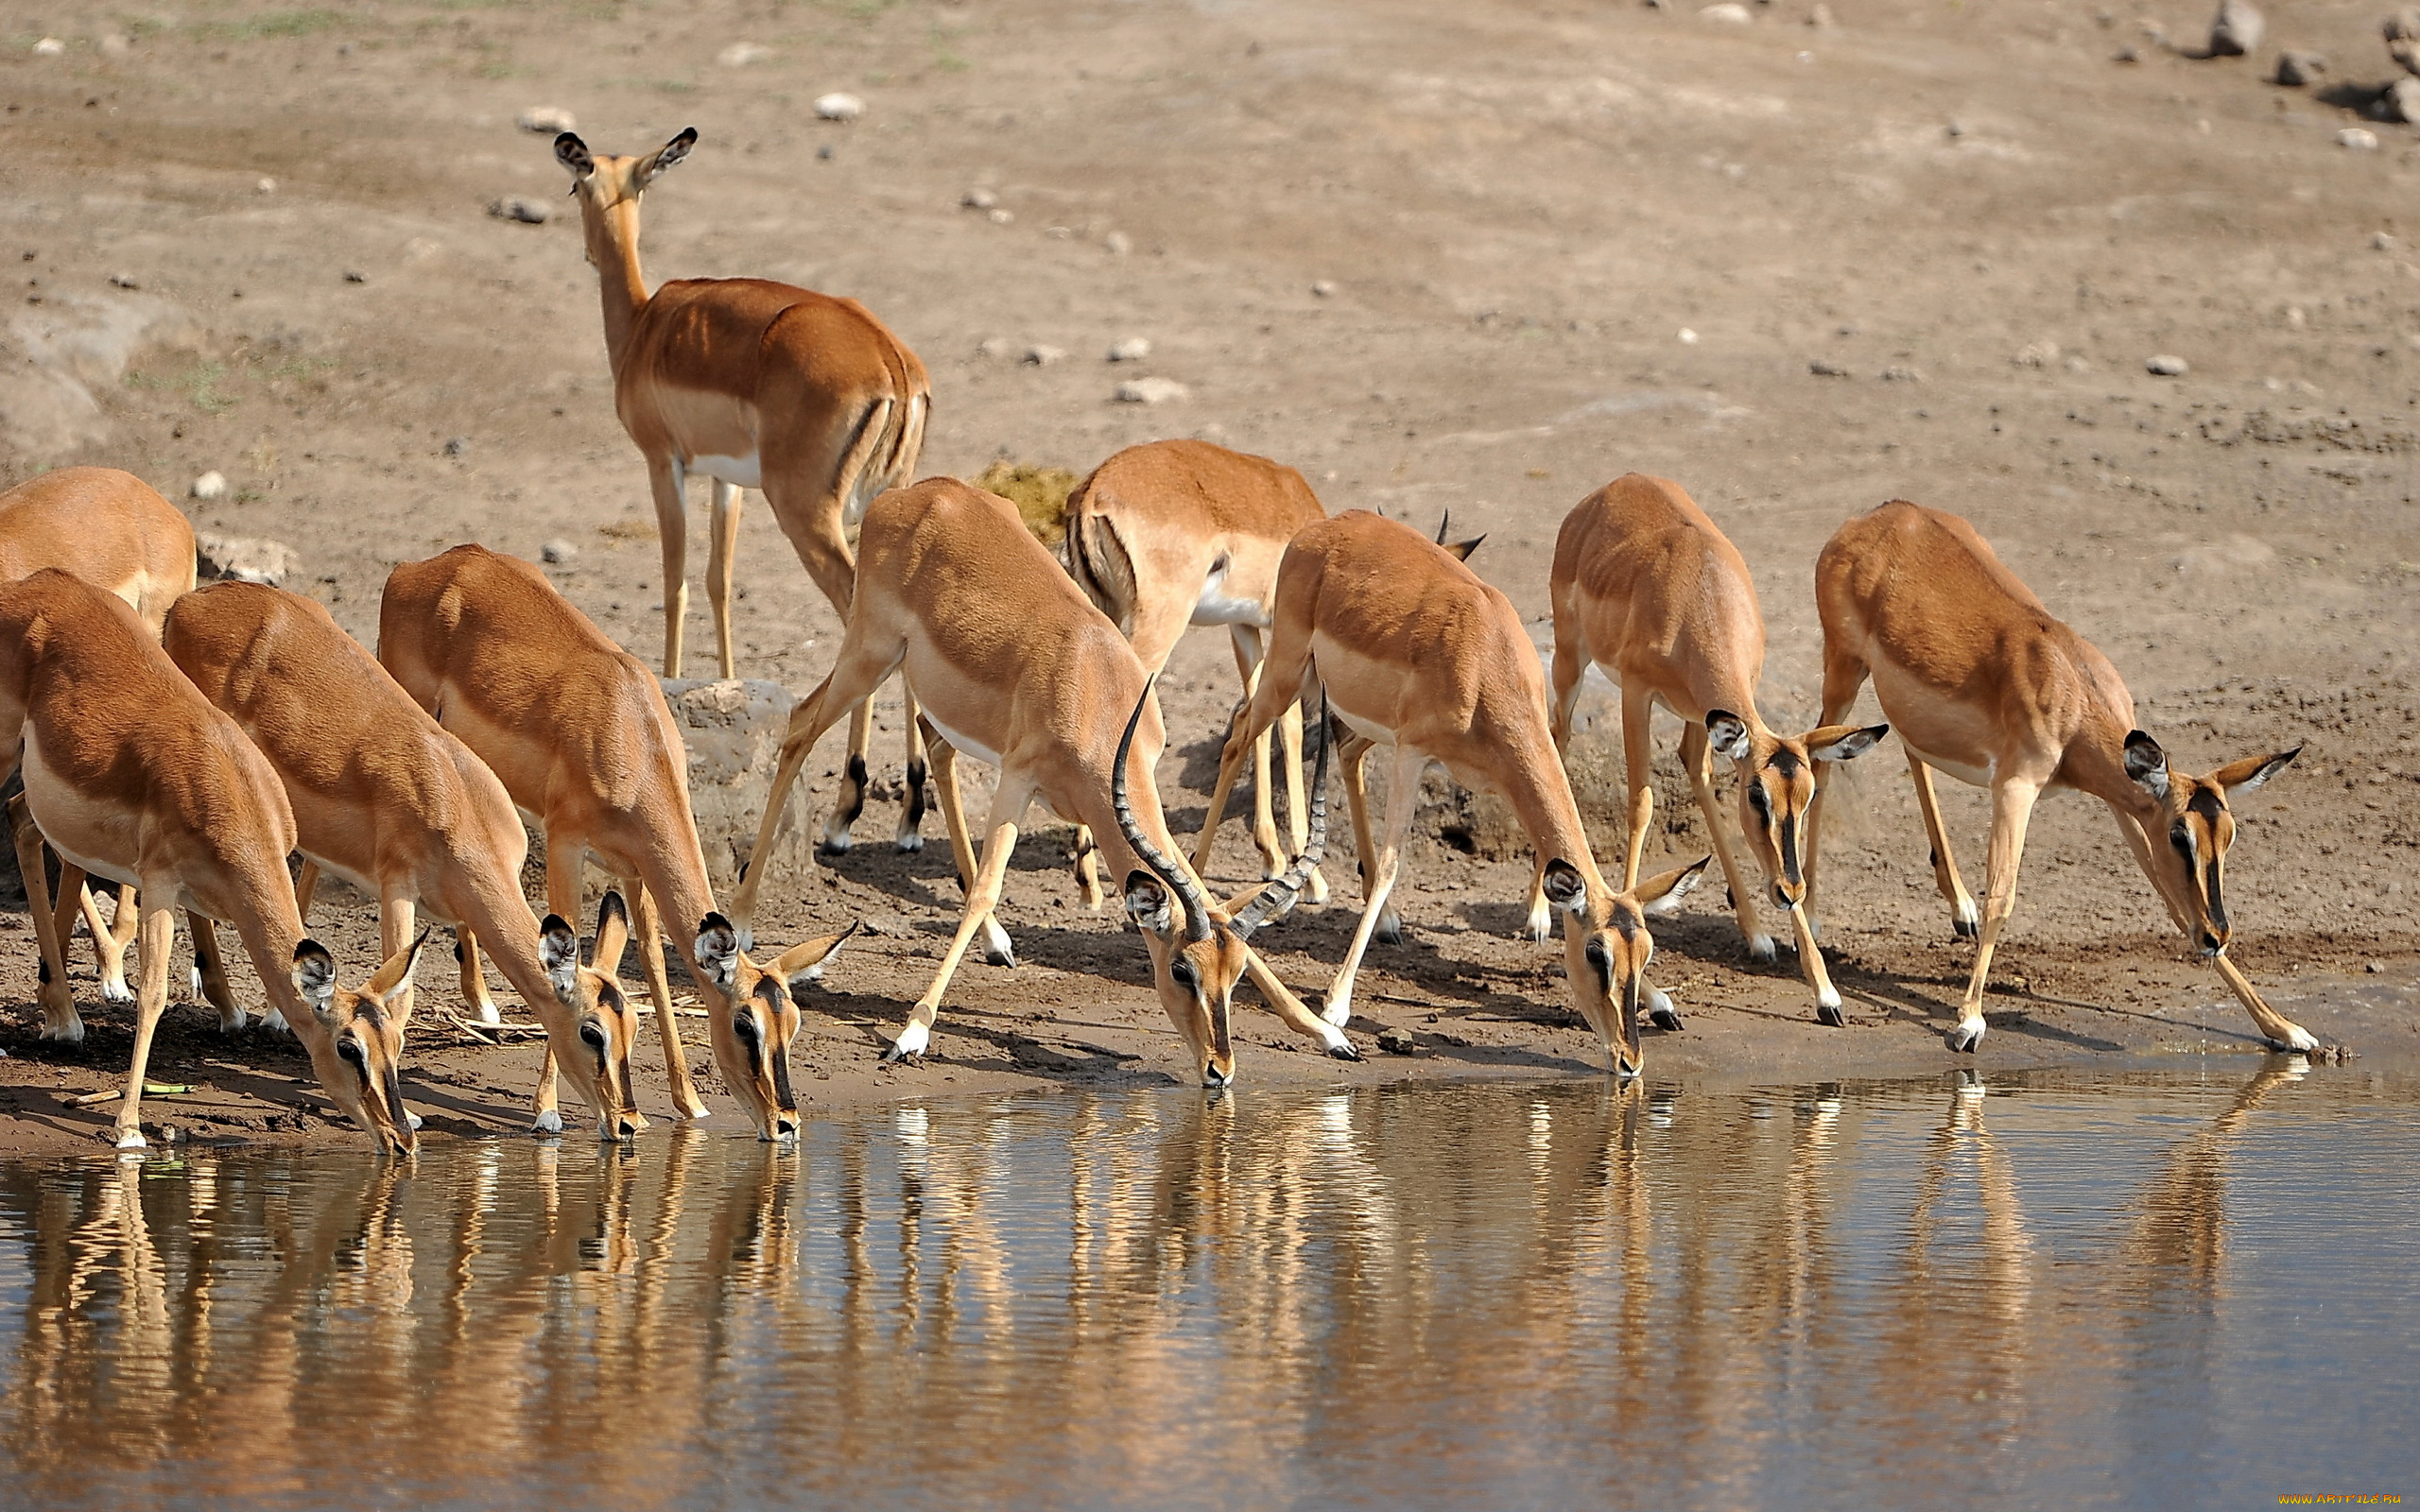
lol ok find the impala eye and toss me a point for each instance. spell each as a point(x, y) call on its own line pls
point(2181, 837)
point(1187, 977)
point(593, 1035)
point(351, 1053)
point(1761, 801)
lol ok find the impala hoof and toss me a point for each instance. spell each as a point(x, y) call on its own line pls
point(486, 1013)
point(1665, 1018)
point(1344, 1051)
point(997, 947)
point(1966, 1036)
point(907, 845)
point(550, 1121)
point(1831, 1016)
point(117, 991)
point(131, 1139)
point(1760, 948)
point(2299, 1040)
point(910, 1045)
point(833, 845)
point(1390, 930)
point(70, 1033)
point(234, 1021)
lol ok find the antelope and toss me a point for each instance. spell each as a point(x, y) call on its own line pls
point(1983, 684)
point(1415, 652)
point(1173, 534)
point(1649, 588)
point(577, 731)
point(115, 531)
point(132, 775)
point(389, 800)
point(1015, 668)
point(757, 385)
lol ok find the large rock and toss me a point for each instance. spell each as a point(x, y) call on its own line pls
point(734, 730)
point(244, 559)
point(2235, 30)
point(54, 355)
point(2403, 37)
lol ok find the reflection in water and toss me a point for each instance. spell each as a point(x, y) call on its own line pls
point(1537, 1295)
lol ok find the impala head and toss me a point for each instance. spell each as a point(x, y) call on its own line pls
point(1777, 785)
point(1199, 950)
point(2191, 826)
point(752, 1037)
point(1606, 946)
point(606, 1023)
point(609, 187)
point(365, 1032)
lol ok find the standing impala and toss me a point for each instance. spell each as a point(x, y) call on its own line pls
point(1416, 653)
point(579, 733)
point(115, 531)
point(1172, 534)
point(758, 385)
point(132, 775)
point(1983, 684)
point(1014, 667)
point(388, 800)
point(1649, 589)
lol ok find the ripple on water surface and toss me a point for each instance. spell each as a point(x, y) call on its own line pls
point(2149, 1291)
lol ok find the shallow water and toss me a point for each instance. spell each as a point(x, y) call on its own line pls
point(2190, 1290)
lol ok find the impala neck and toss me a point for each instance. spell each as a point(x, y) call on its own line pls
point(2095, 763)
point(1540, 795)
point(614, 247)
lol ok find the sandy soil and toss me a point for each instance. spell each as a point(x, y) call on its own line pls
point(1923, 252)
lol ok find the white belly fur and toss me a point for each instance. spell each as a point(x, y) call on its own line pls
point(961, 743)
point(1216, 607)
point(744, 472)
point(106, 841)
point(1364, 727)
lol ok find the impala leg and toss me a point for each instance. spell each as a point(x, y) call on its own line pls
point(2012, 807)
point(996, 948)
point(853, 781)
point(1638, 760)
point(475, 979)
point(2283, 1032)
point(665, 476)
point(1696, 759)
point(856, 674)
point(1403, 795)
point(111, 936)
point(306, 888)
point(209, 978)
point(722, 546)
point(1842, 677)
point(1298, 816)
point(650, 929)
point(1006, 808)
point(1087, 861)
point(1231, 760)
point(72, 897)
point(566, 853)
point(1246, 640)
point(1353, 756)
point(156, 937)
point(58, 1018)
point(1962, 914)
point(1296, 1013)
point(910, 837)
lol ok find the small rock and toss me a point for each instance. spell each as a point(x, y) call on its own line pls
point(2296, 69)
point(546, 120)
point(457, 446)
point(557, 552)
point(2236, 28)
point(1726, 14)
point(741, 54)
point(521, 208)
point(210, 486)
point(1043, 356)
point(2373, 968)
point(1819, 18)
point(2358, 138)
point(1688, 337)
point(266, 186)
point(1118, 244)
point(123, 280)
point(824, 153)
point(242, 559)
point(1134, 349)
point(1324, 288)
point(2076, 362)
point(355, 275)
point(1826, 369)
point(1000, 218)
point(839, 107)
point(117, 45)
point(993, 346)
point(1955, 129)
point(2403, 37)
point(1151, 391)
point(2165, 366)
point(978, 199)
point(2127, 54)
point(1902, 375)
point(2036, 354)
point(2385, 242)
point(50, 47)
point(2401, 101)
point(1396, 1041)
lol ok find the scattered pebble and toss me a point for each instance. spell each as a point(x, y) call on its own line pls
point(2236, 28)
point(1826, 369)
point(978, 199)
point(839, 107)
point(1043, 356)
point(824, 153)
point(2385, 242)
point(1134, 349)
point(2036, 354)
point(2401, 101)
point(1151, 391)
point(211, 484)
point(2296, 69)
point(521, 208)
point(1902, 375)
point(546, 120)
point(557, 552)
point(266, 186)
point(355, 275)
point(457, 446)
point(1000, 218)
point(2373, 968)
point(123, 280)
point(741, 54)
point(235, 560)
point(1821, 18)
point(2127, 54)
point(1323, 287)
point(993, 346)
point(1396, 1041)
point(1727, 14)
point(1688, 337)
point(2165, 366)
point(2403, 37)
point(2359, 139)
point(49, 47)
point(1118, 244)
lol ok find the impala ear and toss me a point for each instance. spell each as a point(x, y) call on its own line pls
point(666, 158)
point(573, 154)
point(718, 950)
point(396, 975)
point(613, 932)
point(1147, 904)
point(1459, 550)
point(2147, 764)
point(558, 952)
point(1727, 734)
point(801, 964)
point(2249, 773)
point(1660, 896)
point(315, 975)
point(1564, 888)
point(1843, 743)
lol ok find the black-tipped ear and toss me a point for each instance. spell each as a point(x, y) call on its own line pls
point(1565, 888)
point(558, 952)
point(1843, 744)
point(1460, 550)
point(2249, 773)
point(1147, 904)
point(667, 157)
point(573, 154)
point(1727, 734)
point(315, 974)
point(718, 949)
point(2147, 764)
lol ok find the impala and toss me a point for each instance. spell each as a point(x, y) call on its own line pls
point(115, 531)
point(1415, 652)
point(1013, 666)
point(758, 385)
point(132, 775)
point(1647, 587)
point(580, 735)
point(1983, 684)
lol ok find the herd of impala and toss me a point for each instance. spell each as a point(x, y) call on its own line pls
point(182, 743)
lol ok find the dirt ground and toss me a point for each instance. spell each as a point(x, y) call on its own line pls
point(1483, 257)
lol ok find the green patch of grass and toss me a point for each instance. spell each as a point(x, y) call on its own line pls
point(667, 86)
point(198, 383)
point(272, 24)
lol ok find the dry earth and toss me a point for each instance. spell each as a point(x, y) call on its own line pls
point(1436, 255)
